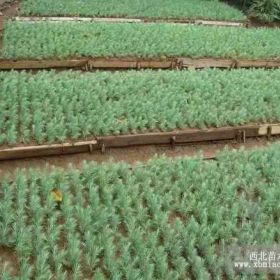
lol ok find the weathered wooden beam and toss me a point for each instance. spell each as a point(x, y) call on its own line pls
point(181, 136)
point(240, 133)
point(47, 150)
point(129, 20)
point(6, 64)
point(90, 63)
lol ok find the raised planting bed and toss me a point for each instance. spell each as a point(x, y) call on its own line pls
point(66, 40)
point(87, 106)
point(153, 9)
point(168, 219)
point(81, 105)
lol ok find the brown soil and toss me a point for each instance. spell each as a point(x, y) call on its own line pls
point(9, 9)
point(174, 216)
point(6, 10)
point(256, 24)
point(129, 155)
point(9, 259)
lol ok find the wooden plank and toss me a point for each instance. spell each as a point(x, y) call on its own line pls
point(129, 20)
point(127, 63)
point(134, 63)
point(265, 63)
point(205, 62)
point(155, 138)
point(275, 129)
point(221, 23)
point(47, 150)
point(217, 134)
point(76, 19)
point(174, 137)
point(41, 64)
point(103, 63)
point(164, 64)
point(229, 63)
point(263, 130)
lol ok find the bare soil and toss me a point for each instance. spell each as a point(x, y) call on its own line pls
point(6, 10)
point(8, 260)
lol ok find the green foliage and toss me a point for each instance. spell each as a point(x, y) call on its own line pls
point(179, 9)
point(176, 216)
point(264, 10)
point(85, 105)
point(75, 39)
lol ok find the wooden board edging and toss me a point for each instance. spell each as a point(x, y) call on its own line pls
point(6, 64)
point(47, 150)
point(89, 64)
point(180, 137)
point(240, 133)
point(129, 20)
